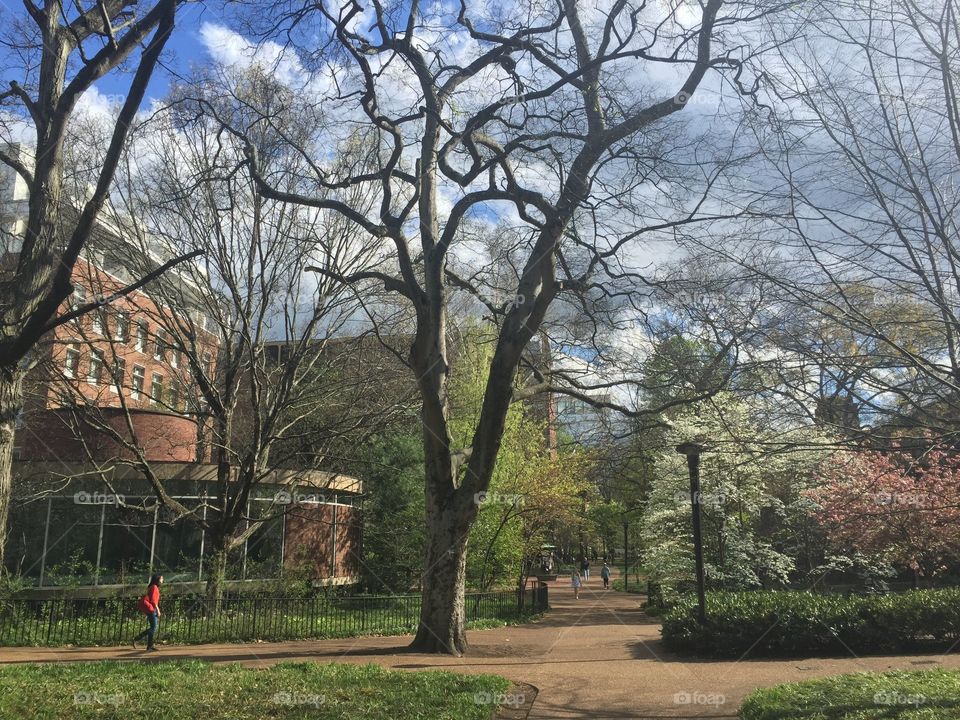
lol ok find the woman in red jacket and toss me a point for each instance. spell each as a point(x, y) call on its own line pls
point(150, 606)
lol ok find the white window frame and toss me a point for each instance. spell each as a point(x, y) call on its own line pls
point(77, 298)
point(96, 360)
point(120, 364)
point(72, 351)
point(155, 397)
point(99, 322)
point(122, 332)
point(173, 397)
point(142, 342)
point(159, 344)
point(135, 391)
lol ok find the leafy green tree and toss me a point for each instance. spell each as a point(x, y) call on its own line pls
point(393, 527)
point(531, 490)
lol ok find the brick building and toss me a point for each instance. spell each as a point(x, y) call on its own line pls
point(113, 384)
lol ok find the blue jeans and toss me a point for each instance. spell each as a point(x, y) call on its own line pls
point(151, 630)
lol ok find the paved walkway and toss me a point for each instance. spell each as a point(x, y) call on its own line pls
point(597, 657)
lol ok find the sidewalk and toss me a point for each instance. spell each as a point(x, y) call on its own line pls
point(597, 657)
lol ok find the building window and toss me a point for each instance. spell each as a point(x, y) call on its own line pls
point(122, 331)
point(95, 372)
point(208, 364)
point(143, 333)
point(119, 369)
point(99, 322)
point(72, 361)
point(173, 398)
point(114, 264)
point(156, 389)
point(159, 345)
point(78, 298)
point(137, 382)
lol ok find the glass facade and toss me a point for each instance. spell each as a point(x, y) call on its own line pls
point(88, 538)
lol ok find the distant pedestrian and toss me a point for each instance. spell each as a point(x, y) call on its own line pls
point(149, 605)
point(605, 575)
point(585, 568)
point(575, 583)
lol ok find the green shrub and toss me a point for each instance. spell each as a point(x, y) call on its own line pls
point(791, 623)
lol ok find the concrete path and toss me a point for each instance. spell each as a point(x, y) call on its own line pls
point(597, 657)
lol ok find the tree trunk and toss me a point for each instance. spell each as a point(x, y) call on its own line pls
point(11, 404)
point(442, 614)
point(217, 578)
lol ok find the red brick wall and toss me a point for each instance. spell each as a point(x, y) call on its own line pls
point(55, 435)
point(309, 537)
point(49, 387)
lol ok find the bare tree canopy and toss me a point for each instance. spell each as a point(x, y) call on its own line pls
point(549, 126)
point(55, 54)
point(863, 145)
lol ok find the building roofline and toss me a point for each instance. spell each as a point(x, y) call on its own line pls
point(199, 472)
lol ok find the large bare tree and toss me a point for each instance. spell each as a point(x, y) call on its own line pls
point(864, 258)
point(256, 348)
point(548, 124)
point(54, 55)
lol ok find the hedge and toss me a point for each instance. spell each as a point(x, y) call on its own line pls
point(764, 623)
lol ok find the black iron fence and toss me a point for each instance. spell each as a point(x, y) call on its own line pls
point(192, 619)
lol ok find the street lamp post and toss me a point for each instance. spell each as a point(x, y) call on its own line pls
point(626, 554)
point(692, 452)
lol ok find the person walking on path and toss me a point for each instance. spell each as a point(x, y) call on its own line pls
point(605, 576)
point(585, 568)
point(150, 606)
point(575, 583)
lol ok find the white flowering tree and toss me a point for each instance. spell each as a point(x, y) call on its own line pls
point(741, 477)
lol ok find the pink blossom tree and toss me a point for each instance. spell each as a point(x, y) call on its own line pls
point(893, 505)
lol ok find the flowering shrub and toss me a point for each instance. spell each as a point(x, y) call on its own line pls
point(891, 505)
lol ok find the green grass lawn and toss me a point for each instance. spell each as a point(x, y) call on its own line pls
point(195, 689)
point(915, 695)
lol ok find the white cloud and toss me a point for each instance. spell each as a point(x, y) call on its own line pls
point(230, 49)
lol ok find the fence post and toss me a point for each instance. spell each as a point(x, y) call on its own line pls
point(123, 619)
point(46, 542)
point(96, 571)
point(50, 619)
point(153, 536)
